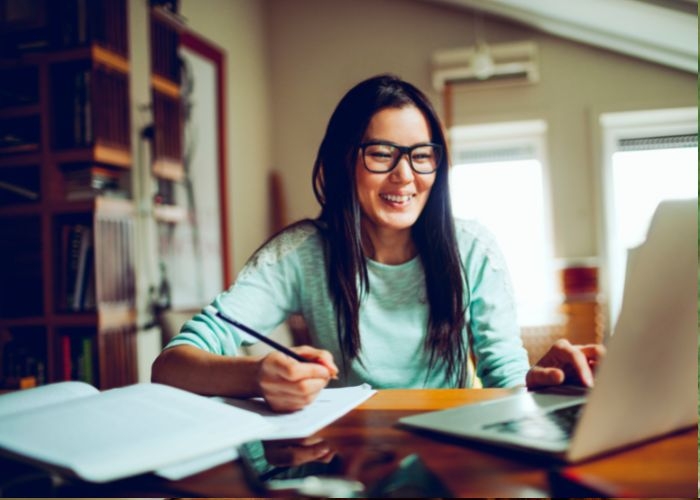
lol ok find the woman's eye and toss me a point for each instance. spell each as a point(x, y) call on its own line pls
point(380, 153)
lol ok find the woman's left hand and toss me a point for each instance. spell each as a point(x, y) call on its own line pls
point(566, 363)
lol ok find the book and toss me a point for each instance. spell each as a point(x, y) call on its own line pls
point(75, 240)
point(82, 271)
point(73, 429)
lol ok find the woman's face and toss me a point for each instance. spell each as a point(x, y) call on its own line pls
point(394, 200)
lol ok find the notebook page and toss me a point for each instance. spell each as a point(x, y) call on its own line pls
point(44, 395)
point(330, 405)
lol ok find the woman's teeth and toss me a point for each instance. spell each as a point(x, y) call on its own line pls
point(395, 198)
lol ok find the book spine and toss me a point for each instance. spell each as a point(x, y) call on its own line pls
point(75, 251)
point(82, 268)
point(87, 361)
point(67, 365)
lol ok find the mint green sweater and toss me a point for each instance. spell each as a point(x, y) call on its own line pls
point(288, 275)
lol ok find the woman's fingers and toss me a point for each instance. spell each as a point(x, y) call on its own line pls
point(287, 384)
point(566, 363)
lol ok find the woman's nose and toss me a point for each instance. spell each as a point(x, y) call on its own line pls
point(402, 171)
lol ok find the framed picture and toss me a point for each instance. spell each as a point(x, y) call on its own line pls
point(197, 253)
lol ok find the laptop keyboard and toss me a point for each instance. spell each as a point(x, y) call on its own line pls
point(556, 425)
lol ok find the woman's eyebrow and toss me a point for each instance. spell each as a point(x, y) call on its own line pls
point(384, 141)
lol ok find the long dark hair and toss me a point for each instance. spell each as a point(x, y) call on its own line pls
point(433, 233)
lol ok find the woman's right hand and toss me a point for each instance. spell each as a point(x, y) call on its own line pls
point(288, 385)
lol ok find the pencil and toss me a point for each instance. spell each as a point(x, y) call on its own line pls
point(263, 338)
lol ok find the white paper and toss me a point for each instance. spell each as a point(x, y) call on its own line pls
point(330, 405)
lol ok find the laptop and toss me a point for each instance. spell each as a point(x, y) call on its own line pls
point(645, 386)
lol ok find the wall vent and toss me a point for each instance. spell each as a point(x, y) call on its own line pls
point(486, 65)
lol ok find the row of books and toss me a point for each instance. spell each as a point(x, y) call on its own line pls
point(77, 358)
point(167, 118)
point(21, 369)
point(164, 42)
point(21, 365)
point(77, 278)
point(49, 24)
point(98, 110)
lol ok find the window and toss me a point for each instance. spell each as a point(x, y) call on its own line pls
point(649, 156)
point(499, 178)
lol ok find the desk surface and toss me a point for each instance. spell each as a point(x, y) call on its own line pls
point(662, 468)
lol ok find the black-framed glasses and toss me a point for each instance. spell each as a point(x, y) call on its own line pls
point(381, 156)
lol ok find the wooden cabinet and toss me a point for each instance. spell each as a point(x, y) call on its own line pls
point(67, 308)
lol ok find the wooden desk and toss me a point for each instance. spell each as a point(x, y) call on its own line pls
point(663, 468)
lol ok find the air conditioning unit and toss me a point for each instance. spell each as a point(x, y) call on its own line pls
point(503, 64)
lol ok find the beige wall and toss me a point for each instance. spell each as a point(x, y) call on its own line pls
point(318, 49)
point(238, 27)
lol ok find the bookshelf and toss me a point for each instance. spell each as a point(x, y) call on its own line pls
point(67, 288)
point(168, 166)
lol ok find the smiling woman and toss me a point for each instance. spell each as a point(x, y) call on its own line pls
point(391, 286)
point(392, 191)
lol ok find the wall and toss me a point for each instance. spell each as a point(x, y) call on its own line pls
point(319, 49)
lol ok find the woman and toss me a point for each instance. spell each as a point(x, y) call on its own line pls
point(388, 283)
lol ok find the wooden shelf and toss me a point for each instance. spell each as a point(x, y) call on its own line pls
point(94, 53)
point(99, 153)
point(20, 159)
point(19, 149)
point(101, 204)
point(170, 169)
point(172, 20)
point(23, 321)
point(69, 263)
point(170, 214)
point(20, 111)
point(30, 208)
point(165, 86)
point(107, 317)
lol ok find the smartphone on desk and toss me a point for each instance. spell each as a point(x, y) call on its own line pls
point(311, 468)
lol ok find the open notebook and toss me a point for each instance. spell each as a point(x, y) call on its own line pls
point(74, 429)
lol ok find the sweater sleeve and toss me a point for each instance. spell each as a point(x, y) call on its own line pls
point(264, 294)
point(501, 359)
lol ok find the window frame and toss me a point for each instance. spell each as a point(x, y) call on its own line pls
point(614, 127)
